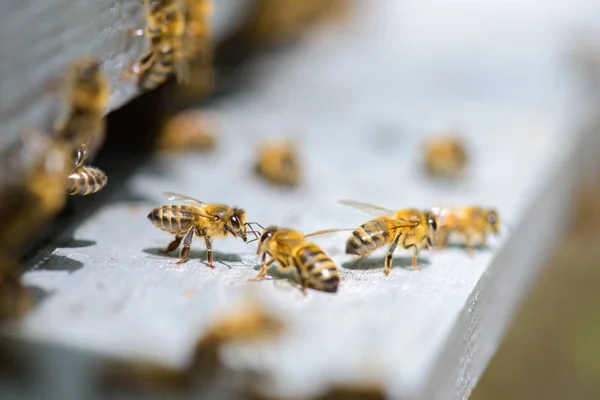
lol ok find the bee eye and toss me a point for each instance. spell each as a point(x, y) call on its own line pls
point(265, 236)
point(492, 218)
point(235, 223)
point(432, 223)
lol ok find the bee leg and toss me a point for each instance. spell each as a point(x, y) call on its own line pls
point(483, 240)
point(390, 254)
point(209, 254)
point(81, 156)
point(187, 243)
point(469, 244)
point(264, 268)
point(415, 257)
point(173, 245)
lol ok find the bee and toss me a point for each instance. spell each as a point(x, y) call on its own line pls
point(278, 163)
point(188, 130)
point(467, 222)
point(197, 29)
point(83, 127)
point(86, 180)
point(35, 190)
point(210, 221)
point(290, 249)
point(408, 227)
point(165, 29)
point(15, 300)
point(445, 157)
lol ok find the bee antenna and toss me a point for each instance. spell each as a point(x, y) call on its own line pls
point(251, 230)
point(256, 223)
point(253, 240)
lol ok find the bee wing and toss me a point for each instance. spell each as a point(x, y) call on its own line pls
point(184, 198)
point(366, 208)
point(402, 223)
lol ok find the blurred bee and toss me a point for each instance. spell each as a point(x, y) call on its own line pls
point(445, 157)
point(15, 300)
point(165, 28)
point(278, 163)
point(249, 322)
point(408, 227)
point(197, 28)
point(35, 190)
point(290, 249)
point(210, 221)
point(82, 127)
point(188, 130)
point(85, 181)
point(467, 222)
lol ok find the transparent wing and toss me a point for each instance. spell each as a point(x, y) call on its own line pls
point(366, 208)
point(184, 198)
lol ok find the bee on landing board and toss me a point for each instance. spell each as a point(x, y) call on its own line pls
point(470, 223)
point(279, 164)
point(290, 249)
point(445, 157)
point(210, 221)
point(82, 127)
point(165, 29)
point(408, 227)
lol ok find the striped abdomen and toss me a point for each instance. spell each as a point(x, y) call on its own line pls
point(173, 218)
point(369, 237)
point(161, 69)
point(317, 268)
point(86, 180)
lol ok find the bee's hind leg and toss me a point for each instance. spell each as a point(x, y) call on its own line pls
point(187, 243)
point(390, 255)
point(173, 245)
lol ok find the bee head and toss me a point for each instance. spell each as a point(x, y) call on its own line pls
point(493, 219)
point(432, 221)
point(237, 223)
point(263, 241)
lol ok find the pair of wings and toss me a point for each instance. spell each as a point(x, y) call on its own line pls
point(369, 209)
point(187, 199)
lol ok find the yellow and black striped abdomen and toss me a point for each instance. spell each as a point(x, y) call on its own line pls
point(369, 237)
point(172, 218)
point(86, 180)
point(317, 268)
point(160, 70)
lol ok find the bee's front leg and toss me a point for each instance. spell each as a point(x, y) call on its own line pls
point(187, 243)
point(209, 253)
point(264, 267)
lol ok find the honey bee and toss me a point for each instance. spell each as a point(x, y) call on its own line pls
point(290, 249)
point(467, 222)
point(15, 300)
point(38, 170)
point(445, 157)
point(197, 29)
point(83, 126)
point(279, 164)
point(210, 221)
point(415, 227)
point(165, 28)
point(188, 130)
point(86, 180)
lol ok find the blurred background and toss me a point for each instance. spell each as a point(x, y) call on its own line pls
point(462, 60)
